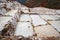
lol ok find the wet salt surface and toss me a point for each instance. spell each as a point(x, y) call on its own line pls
point(47, 30)
point(49, 17)
point(24, 28)
point(55, 24)
point(25, 17)
point(37, 20)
